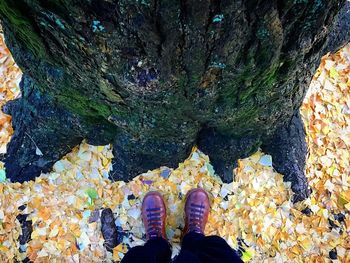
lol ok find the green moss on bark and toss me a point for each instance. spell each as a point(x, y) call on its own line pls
point(82, 105)
point(22, 27)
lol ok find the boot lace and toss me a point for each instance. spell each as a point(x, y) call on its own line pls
point(154, 220)
point(196, 217)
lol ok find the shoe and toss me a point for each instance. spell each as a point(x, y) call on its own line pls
point(197, 206)
point(109, 229)
point(154, 215)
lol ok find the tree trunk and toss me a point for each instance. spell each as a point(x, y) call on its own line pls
point(156, 77)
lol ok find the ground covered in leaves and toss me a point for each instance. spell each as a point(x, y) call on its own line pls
point(254, 213)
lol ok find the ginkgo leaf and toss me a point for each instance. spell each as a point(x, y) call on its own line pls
point(38, 151)
point(92, 194)
point(247, 255)
point(266, 160)
point(333, 73)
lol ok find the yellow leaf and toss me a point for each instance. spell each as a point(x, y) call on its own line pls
point(333, 73)
point(121, 248)
point(4, 249)
point(100, 148)
point(116, 256)
point(44, 213)
point(347, 206)
point(305, 243)
point(247, 255)
point(53, 232)
point(295, 250)
point(344, 198)
point(34, 235)
point(105, 161)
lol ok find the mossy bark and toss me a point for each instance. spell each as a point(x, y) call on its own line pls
point(155, 77)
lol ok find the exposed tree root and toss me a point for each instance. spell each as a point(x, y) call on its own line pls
point(43, 134)
point(288, 150)
point(134, 156)
point(224, 151)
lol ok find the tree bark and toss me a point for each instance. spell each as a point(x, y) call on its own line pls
point(156, 77)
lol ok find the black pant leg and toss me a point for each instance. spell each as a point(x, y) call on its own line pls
point(189, 248)
point(156, 250)
point(198, 248)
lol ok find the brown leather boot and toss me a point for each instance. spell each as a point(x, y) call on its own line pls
point(154, 215)
point(197, 206)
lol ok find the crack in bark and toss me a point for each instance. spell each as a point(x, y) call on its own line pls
point(183, 45)
point(214, 9)
point(158, 27)
point(248, 44)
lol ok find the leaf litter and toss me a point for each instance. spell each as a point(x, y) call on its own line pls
point(254, 213)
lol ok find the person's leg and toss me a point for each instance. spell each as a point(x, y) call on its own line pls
point(196, 247)
point(157, 249)
point(206, 249)
point(188, 249)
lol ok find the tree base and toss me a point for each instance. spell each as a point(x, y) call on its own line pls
point(148, 78)
point(288, 149)
point(44, 133)
point(224, 151)
point(133, 156)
